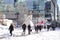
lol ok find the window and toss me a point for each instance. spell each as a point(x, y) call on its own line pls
point(47, 15)
point(48, 5)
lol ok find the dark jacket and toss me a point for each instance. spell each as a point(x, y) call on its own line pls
point(11, 27)
point(29, 27)
point(24, 26)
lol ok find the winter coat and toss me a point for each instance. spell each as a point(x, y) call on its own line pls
point(11, 28)
point(24, 26)
point(29, 28)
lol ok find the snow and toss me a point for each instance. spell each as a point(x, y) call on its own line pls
point(43, 35)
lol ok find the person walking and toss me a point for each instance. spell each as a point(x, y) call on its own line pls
point(29, 29)
point(36, 28)
point(24, 28)
point(11, 28)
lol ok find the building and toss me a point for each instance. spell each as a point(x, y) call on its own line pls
point(37, 8)
point(54, 2)
point(48, 12)
point(52, 9)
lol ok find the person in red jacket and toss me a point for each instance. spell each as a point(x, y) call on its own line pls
point(41, 22)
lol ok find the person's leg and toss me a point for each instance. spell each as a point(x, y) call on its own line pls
point(28, 30)
point(37, 29)
point(48, 27)
point(11, 32)
point(40, 27)
point(24, 29)
point(53, 28)
point(44, 27)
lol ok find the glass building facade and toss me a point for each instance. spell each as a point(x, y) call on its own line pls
point(30, 4)
point(41, 6)
point(36, 5)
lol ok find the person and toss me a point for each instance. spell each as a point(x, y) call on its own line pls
point(53, 27)
point(11, 28)
point(39, 27)
point(24, 28)
point(36, 28)
point(29, 29)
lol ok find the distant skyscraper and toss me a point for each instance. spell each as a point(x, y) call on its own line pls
point(35, 5)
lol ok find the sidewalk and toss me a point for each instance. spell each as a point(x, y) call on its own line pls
point(43, 35)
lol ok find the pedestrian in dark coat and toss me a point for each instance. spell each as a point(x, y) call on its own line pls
point(11, 28)
point(36, 28)
point(29, 29)
point(53, 26)
point(39, 27)
point(24, 28)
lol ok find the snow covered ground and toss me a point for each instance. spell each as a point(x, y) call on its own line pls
point(43, 35)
